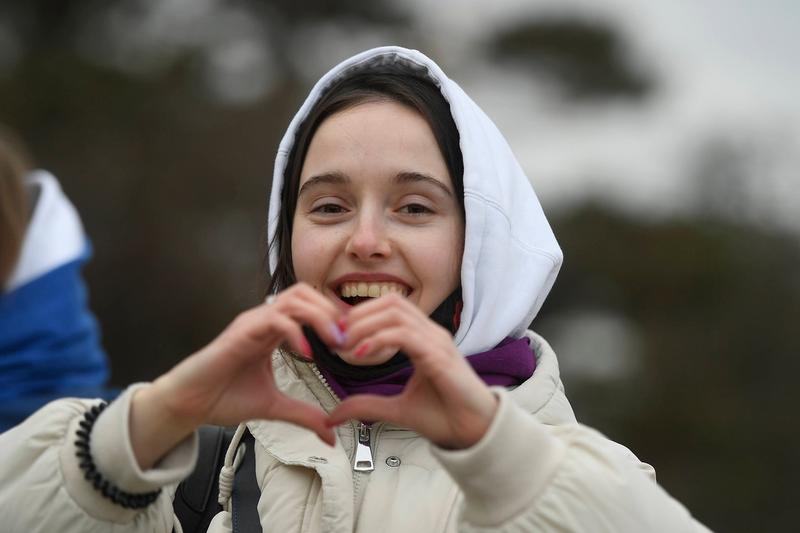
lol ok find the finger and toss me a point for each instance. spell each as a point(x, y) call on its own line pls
point(383, 312)
point(308, 293)
point(432, 351)
point(271, 330)
point(383, 317)
point(435, 357)
point(309, 306)
point(305, 415)
point(308, 313)
point(375, 305)
point(368, 407)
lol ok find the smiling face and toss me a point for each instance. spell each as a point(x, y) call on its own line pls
point(376, 210)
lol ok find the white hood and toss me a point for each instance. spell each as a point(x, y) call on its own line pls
point(54, 235)
point(511, 257)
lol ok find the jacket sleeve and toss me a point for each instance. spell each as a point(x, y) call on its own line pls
point(43, 487)
point(526, 476)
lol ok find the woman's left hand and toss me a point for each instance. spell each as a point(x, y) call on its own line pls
point(444, 401)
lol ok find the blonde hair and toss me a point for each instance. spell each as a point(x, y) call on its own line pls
point(13, 203)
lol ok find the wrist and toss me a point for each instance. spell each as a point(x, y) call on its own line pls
point(154, 427)
point(503, 472)
point(100, 483)
point(485, 412)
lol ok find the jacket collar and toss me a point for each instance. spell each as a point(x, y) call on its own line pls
point(543, 394)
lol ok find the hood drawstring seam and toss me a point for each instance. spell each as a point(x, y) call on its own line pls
point(233, 458)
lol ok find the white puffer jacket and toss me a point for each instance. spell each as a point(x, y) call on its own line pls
point(536, 470)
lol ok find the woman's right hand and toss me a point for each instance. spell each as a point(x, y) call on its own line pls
point(230, 380)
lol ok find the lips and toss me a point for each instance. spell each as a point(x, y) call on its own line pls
point(356, 288)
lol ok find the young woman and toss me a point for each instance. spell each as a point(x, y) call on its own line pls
point(388, 380)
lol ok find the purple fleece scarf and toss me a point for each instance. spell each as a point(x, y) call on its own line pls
point(508, 364)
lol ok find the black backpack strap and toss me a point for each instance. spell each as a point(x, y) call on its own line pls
point(246, 492)
point(195, 502)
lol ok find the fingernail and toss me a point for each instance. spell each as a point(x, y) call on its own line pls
point(338, 334)
point(362, 350)
point(307, 348)
point(342, 323)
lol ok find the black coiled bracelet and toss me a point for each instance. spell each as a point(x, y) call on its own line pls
point(125, 499)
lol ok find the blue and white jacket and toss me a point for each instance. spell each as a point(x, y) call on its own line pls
point(49, 340)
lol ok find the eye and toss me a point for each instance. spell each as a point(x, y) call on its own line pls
point(328, 209)
point(416, 209)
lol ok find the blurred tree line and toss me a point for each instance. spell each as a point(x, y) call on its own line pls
point(162, 125)
point(714, 306)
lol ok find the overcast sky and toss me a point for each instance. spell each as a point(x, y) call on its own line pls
point(727, 70)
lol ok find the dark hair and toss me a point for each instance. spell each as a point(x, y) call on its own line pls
point(13, 203)
point(386, 84)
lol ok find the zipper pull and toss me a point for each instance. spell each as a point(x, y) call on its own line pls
point(363, 458)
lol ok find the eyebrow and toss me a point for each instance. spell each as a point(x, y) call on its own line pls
point(338, 178)
point(333, 178)
point(417, 177)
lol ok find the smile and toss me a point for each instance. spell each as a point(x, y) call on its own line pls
point(355, 292)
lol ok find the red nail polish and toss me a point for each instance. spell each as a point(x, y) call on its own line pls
point(362, 350)
point(342, 323)
point(307, 348)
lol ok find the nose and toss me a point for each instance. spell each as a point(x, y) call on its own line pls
point(369, 239)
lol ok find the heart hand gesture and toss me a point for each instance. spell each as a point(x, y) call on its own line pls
point(445, 400)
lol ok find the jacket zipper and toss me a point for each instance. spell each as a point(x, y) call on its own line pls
point(362, 458)
point(362, 462)
point(324, 382)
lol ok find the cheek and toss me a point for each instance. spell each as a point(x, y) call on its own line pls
point(306, 256)
point(440, 257)
point(452, 251)
point(313, 253)
point(452, 262)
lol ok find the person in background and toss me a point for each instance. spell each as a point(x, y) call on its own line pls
point(49, 340)
point(13, 204)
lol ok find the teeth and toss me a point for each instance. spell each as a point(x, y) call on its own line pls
point(350, 289)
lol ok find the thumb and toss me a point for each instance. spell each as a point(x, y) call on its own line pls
point(366, 407)
point(305, 415)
